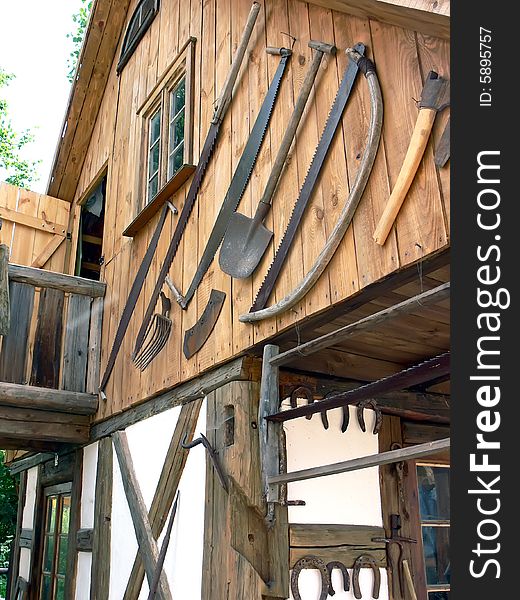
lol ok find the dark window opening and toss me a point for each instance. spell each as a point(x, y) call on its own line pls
point(143, 16)
point(89, 257)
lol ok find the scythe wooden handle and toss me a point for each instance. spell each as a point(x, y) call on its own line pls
point(414, 154)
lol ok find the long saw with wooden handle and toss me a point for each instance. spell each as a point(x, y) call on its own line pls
point(434, 98)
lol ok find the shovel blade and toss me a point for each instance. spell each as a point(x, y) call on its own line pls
point(243, 247)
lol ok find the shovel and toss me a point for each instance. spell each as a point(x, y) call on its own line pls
point(246, 239)
point(156, 336)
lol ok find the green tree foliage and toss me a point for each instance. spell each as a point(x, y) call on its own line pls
point(19, 171)
point(80, 21)
point(8, 508)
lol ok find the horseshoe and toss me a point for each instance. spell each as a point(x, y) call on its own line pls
point(302, 392)
point(336, 564)
point(361, 419)
point(366, 561)
point(310, 562)
point(346, 419)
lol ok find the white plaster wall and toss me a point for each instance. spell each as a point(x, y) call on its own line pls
point(83, 568)
point(30, 498)
point(348, 498)
point(88, 492)
point(149, 441)
point(88, 486)
point(28, 520)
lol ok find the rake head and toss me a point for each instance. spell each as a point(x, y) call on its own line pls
point(157, 335)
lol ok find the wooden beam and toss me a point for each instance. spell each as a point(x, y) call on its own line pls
point(394, 280)
point(399, 381)
point(143, 531)
point(336, 542)
point(332, 339)
point(51, 247)
point(28, 462)
point(57, 281)
point(27, 432)
point(8, 443)
point(173, 466)
point(431, 18)
point(94, 65)
point(4, 290)
point(269, 432)
point(34, 222)
point(14, 559)
point(419, 404)
point(100, 570)
point(38, 398)
point(240, 369)
point(365, 462)
point(412, 405)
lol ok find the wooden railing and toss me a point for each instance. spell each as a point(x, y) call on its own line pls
point(55, 331)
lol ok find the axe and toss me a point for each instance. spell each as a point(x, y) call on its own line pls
point(434, 98)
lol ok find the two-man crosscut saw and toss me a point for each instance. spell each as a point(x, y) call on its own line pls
point(240, 177)
point(311, 178)
point(218, 116)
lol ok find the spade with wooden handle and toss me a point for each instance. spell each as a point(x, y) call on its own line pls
point(434, 98)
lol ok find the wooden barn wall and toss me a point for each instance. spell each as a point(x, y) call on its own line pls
point(403, 59)
point(28, 220)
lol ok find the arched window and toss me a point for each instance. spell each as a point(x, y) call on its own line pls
point(143, 16)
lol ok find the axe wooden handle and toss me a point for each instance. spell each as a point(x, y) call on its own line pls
point(409, 580)
point(414, 154)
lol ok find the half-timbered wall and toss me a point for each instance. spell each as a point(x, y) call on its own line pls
point(148, 441)
point(345, 499)
point(403, 59)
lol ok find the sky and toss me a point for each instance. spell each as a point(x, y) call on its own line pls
point(34, 47)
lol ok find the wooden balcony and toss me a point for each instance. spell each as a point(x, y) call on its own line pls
point(49, 360)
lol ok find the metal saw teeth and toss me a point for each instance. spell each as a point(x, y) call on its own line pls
point(255, 307)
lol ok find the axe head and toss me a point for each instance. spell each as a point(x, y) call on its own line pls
point(436, 92)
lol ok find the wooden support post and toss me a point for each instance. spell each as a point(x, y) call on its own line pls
point(4, 290)
point(269, 431)
point(100, 572)
point(14, 560)
point(173, 467)
point(364, 462)
point(145, 539)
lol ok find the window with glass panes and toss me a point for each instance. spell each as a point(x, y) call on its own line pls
point(433, 482)
point(55, 542)
point(166, 138)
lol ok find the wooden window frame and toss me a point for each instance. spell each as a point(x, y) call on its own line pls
point(181, 66)
point(60, 490)
point(128, 48)
point(52, 476)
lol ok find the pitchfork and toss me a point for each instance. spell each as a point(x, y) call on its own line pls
point(157, 335)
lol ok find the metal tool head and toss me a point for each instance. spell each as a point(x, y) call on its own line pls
point(156, 336)
point(436, 92)
point(243, 246)
point(323, 47)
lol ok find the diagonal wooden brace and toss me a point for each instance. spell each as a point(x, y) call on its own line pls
point(143, 531)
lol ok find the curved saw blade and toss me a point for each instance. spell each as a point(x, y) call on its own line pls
point(333, 120)
point(196, 337)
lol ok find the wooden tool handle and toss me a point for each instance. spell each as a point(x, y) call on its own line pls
point(414, 154)
point(409, 580)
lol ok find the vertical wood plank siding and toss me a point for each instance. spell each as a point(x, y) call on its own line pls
point(403, 58)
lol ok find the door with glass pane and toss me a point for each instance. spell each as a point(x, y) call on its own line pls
point(433, 482)
point(55, 537)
